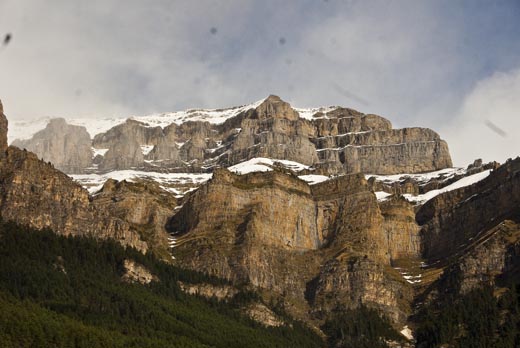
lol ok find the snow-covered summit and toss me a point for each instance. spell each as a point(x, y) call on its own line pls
point(25, 129)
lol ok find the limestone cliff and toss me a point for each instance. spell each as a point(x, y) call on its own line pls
point(319, 248)
point(333, 141)
point(450, 220)
point(67, 147)
point(404, 240)
point(144, 205)
point(36, 194)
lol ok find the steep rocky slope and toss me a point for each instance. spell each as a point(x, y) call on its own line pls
point(452, 219)
point(332, 140)
point(144, 205)
point(34, 193)
point(319, 248)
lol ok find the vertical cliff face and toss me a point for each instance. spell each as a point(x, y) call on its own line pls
point(401, 229)
point(350, 280)
point(333, 140)
point(488, 258)
point(451, 219)
point(254, 206)
point(67, 147)
point(273, 130)
point(123, 154)
point(144, 205)
point(320, 248)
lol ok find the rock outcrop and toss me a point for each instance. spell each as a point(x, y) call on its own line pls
point(67, 147)
point(219, 292)
point(450, 220)
point(404, 240)
point(320, 248)
point(137, 273)
point(489, 258)
point(34, 193)
point(144, 205)
point(262, 314)
point(470, 237)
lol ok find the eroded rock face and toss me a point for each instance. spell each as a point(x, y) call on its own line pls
point(67, 147)
point(34, 193)
point(339, 141)
point(262, 314)
point(137, 273)
point(496, 255)
point(220, 292)
point(404, 240)
point(126, 153)
point(348, 281)
point(144, 205)
point(472, 235)
point(275, 232)
point(451, 219)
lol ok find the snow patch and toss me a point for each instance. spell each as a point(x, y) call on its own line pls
point(214, 116)
point(261, 164)
point(145, 149)
point(466, 181)
point(94, 182)
point(100, 152)
point(313, 179)
point(445, 174)
point(308, 113)
point(382, 196)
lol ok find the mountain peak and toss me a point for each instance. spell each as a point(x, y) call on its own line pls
point(273, 98)
point(274, 107)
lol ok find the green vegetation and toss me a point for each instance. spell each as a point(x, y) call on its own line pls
point(67, 292)
point(476, 320)
point(360, 328)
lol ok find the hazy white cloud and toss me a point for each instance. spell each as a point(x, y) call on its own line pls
point(488, 122)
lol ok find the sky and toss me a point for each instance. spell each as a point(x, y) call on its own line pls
point(453, 66)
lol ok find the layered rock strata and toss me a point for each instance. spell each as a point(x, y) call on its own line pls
point(35, 194)
point(144, 205)
point(67, 147)
point(320, 247)
point(336, 140)
point(452, 219)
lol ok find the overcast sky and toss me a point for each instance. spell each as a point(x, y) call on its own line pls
point(453, 66)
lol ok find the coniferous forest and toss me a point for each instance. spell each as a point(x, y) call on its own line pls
point(67, 292)
point(478, 319)
point(60, 291)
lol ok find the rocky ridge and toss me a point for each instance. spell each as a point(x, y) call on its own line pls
point(333, 140)
point(34, 193)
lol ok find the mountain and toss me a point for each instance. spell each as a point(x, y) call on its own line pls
point(35, 194)
point(332, 140)
point(328, 213)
